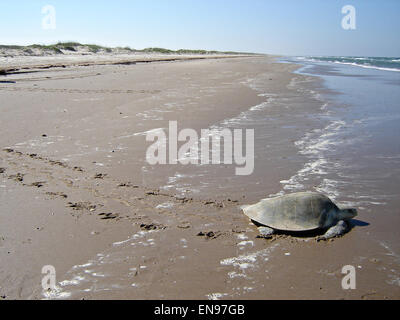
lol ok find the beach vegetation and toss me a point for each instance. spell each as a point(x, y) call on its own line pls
point(59, 47)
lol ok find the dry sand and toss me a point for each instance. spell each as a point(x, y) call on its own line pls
point(77, 193)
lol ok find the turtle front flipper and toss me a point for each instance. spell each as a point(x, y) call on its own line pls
point(337, 230)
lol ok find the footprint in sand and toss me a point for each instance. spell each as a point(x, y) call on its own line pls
point(108, 216)
point(82, 206)
point(38, 184)
point(57, 194)
point(19, 177)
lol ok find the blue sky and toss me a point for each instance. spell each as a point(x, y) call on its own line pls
point(291, 27)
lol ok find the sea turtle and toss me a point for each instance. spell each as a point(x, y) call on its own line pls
point(299, 212)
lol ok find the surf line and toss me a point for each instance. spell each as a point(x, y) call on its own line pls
point(190, 152)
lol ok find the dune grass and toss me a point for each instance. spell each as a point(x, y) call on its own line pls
point(59, 47)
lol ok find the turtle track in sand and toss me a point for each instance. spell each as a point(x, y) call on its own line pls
point(56, 179)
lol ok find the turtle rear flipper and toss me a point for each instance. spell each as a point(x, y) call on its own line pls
point(265, 232)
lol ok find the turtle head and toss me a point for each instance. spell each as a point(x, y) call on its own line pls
point(347, 214)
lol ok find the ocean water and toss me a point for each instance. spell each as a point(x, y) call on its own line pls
point(355, 157)
point(379, 63)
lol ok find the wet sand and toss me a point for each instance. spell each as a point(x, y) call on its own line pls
point(77, 193)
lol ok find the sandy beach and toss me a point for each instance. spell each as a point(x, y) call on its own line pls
point(77, 193)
